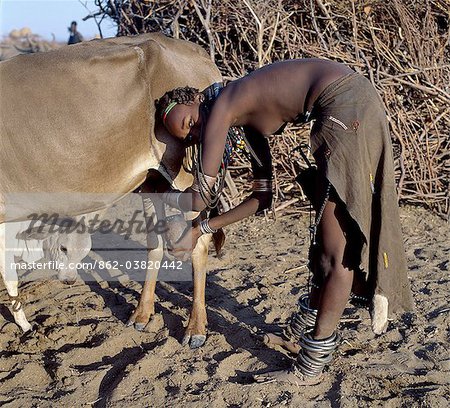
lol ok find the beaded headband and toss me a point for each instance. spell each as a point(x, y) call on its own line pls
point(167, 110)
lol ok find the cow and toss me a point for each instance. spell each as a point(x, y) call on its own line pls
point(41, 246)
point(81, 119)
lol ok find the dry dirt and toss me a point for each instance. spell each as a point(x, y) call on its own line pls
point(82, 354)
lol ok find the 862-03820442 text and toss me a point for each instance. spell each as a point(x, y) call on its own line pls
point(128, 265)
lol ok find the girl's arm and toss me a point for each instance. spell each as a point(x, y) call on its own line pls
point(261, 197)
point(259, 200)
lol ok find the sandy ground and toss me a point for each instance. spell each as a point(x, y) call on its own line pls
point(82, 354)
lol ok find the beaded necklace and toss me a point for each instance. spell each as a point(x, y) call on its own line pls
point(235, 143)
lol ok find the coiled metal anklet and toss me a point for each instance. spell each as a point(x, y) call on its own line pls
point(315, 354)
point(301, 320)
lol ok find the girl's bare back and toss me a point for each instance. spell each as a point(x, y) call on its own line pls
point(278, 93)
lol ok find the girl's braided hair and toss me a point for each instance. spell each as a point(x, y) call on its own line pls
point(184, 95)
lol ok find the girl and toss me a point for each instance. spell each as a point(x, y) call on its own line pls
point(356, 237)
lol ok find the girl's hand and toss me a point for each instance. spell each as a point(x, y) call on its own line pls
point(182, 249)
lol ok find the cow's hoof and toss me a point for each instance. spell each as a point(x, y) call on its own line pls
point(137, 326)
point(140, 326)
point(24, 325)
point(29, 334)
point(197, 340)
point(194, 341)
point(139, 319)
point(27, 328)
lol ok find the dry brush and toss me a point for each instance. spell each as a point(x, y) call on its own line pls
point(401, 45)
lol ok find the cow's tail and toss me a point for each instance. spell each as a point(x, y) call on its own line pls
point(219, 236)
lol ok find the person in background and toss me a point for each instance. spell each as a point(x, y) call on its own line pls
point(75, 36)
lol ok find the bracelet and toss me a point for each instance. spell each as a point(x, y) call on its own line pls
point(262, 185)
point(205, 228)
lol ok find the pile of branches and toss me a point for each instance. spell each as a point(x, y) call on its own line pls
point(401, 45)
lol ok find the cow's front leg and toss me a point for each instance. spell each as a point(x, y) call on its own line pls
point(11, 280)
point(195, 334)
point(11, 283)
point(146, 305)
point(155, 253)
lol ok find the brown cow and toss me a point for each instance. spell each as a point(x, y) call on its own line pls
point(81, 119)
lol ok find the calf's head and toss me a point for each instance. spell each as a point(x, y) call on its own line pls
point(65, 246)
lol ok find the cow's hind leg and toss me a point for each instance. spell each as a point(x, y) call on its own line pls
point(195, 334)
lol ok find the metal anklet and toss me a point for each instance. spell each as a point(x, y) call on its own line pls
point(301, 320)
point(315, 354)
point(262, 185)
